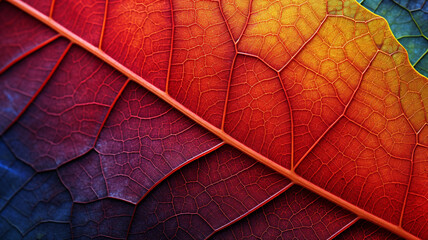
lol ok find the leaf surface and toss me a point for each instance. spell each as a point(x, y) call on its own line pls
point(199, 119)
point(407, 20)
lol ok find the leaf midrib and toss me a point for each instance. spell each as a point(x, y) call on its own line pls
point(290, 174)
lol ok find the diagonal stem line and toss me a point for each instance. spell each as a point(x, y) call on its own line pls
point(400, 223)
point(26, 54)
point(291, 120)
point(104, 26)
point(419, 59)
point(223, 120)
point(250, 6)
point(344, 228)
point(168, 74)
point(218, 132)
point(51, 9)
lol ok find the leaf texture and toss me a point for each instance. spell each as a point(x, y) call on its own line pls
point(407, 20)
point(210, 119)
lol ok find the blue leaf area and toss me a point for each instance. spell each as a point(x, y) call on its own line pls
point(408, 20)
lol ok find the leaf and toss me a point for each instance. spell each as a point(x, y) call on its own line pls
point(206, 119)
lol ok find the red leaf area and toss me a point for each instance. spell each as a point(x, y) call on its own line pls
point(209, 119)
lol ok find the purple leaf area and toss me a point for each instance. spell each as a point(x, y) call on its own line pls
point(83, 90)
point(84, 178)
point(366, 230)
point(206, 196)
point(144, 140)
point(25, 79)
point(15, 29)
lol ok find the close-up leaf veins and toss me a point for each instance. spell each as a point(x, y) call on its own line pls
point(213, 119)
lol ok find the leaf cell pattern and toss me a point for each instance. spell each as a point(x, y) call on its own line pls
point(231, 119)
point(408, 21)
